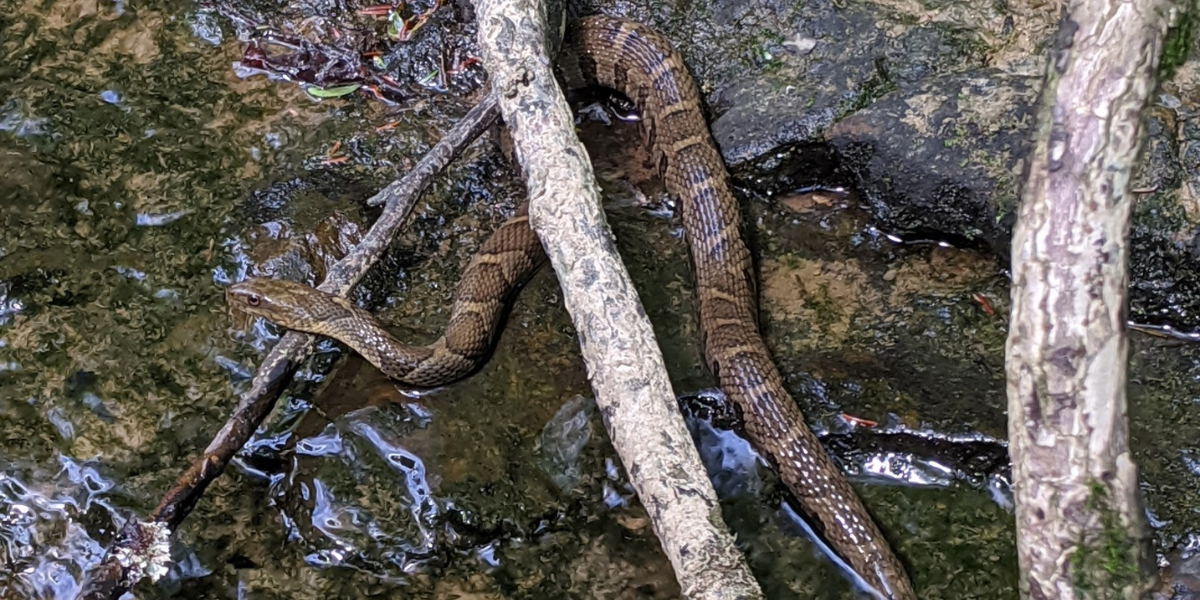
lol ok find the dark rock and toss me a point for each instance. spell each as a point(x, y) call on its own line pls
point(820, 65)
point(930, 123)
point(945, 156)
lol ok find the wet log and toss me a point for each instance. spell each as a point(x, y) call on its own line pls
point(140, 548)
point(622, 356)
point(1081, 530)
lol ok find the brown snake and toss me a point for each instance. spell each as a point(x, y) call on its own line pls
point(641, 64)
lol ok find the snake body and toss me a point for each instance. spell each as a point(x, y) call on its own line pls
point(643, 65)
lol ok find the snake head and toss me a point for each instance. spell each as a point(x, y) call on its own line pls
point(282, 302)
point(247, 297)
point(286, 303)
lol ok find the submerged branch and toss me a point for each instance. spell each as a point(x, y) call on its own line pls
point(1081, 530)
point(127, 557)
point(621, 353)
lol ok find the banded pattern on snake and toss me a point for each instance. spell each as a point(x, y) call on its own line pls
point(643, 65)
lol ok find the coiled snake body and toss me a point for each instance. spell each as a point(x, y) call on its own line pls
point(641, 64)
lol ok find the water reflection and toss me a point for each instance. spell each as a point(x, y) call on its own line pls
point(44, 519)
point(356, 497)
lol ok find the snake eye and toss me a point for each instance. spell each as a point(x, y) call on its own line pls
point(253, 300)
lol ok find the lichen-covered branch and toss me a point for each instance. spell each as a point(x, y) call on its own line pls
point(1081, 529)
point(622, 356)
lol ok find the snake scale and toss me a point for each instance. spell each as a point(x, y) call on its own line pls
point(643, 65)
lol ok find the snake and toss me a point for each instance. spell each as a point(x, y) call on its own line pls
point(644, 66)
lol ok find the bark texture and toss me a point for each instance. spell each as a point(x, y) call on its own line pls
point(1081, 530)
point(622, 356)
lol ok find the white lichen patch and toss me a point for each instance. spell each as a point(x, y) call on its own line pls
point(1010, 30)
point(920, 111)
point(1186, 83)
point(988, 106)
point(152, 559)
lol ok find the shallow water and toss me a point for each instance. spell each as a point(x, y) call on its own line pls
point(141, 175)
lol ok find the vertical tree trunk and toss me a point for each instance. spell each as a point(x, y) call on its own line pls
point(1081, 530)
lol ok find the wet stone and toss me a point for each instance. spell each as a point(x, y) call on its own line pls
point(564, 437)
point(942, 157)
point(810, 83)
point(276, 252)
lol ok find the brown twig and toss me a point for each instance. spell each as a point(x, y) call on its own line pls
point(128, 556)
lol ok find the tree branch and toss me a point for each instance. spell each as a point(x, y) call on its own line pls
point(622, 356)
point(1081, 529)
